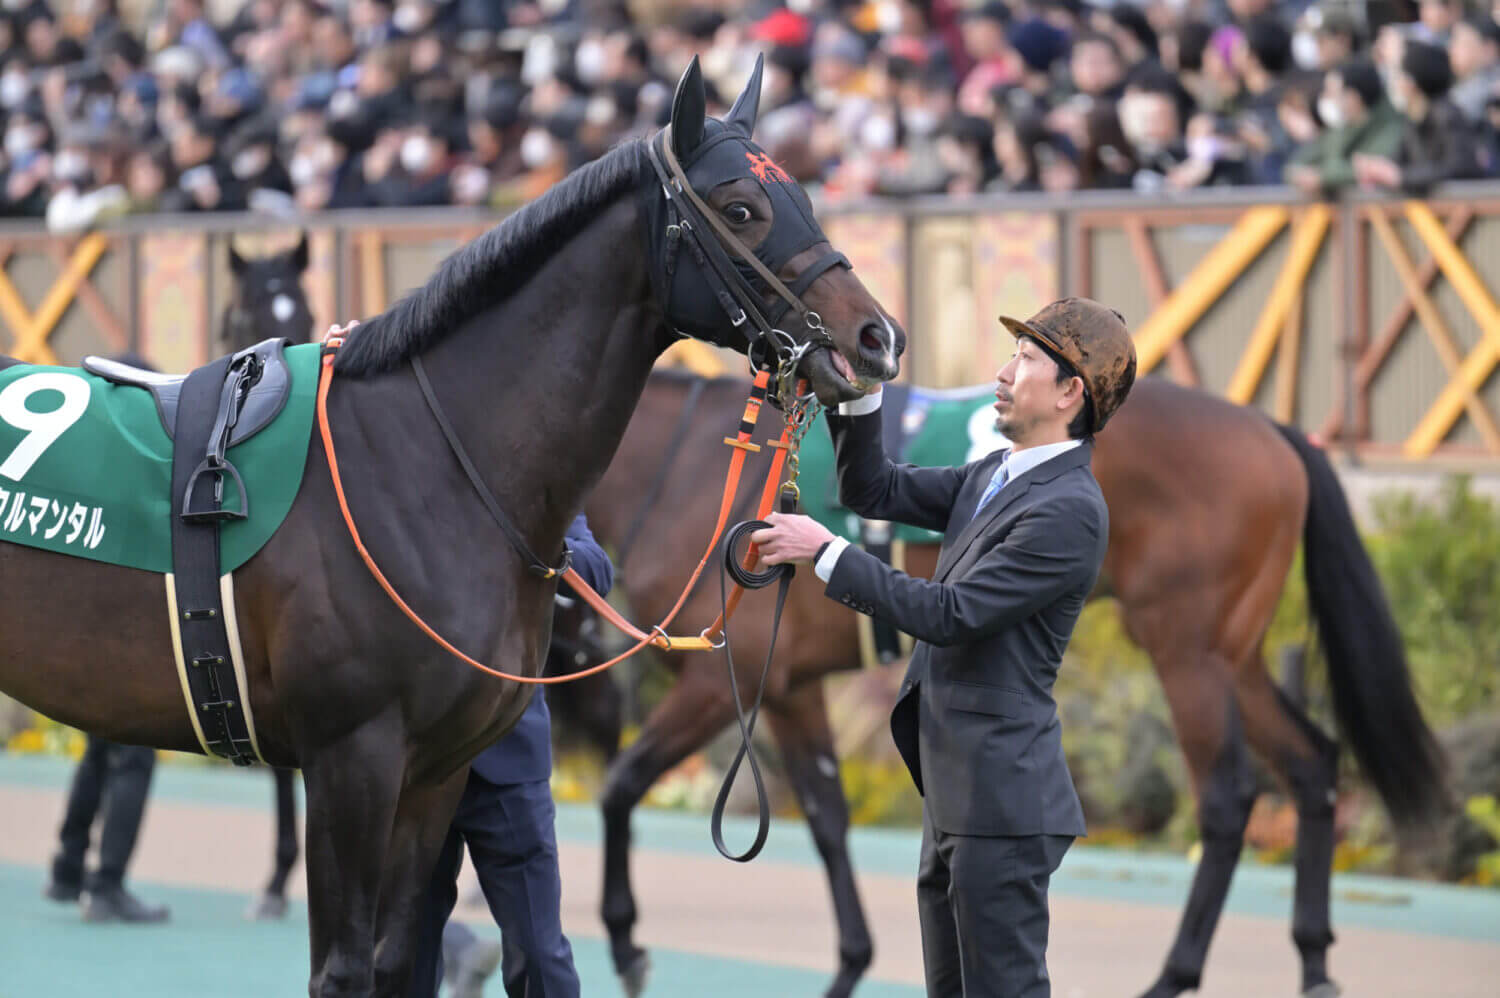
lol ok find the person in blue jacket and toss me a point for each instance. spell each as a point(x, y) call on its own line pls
point(506, 819)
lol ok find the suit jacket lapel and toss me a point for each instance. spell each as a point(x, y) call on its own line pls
point(973, 489)
point(1013, 490)
point(1009, 494)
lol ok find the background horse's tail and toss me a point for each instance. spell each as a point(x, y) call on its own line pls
point(1377, 710)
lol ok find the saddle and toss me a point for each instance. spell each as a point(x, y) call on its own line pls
point(262, 402)
point(205, 413)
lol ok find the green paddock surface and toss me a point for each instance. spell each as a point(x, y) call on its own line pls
point(714, 927)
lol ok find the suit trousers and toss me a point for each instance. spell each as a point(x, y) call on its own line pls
point(982, 901)
point(512, 842)
point(117, 777)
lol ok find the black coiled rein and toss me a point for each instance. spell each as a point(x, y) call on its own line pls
point(748, 580)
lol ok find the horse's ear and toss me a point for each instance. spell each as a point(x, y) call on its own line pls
point(689, 106)
point(300, 254)
point(236, 262)
point(747, 104)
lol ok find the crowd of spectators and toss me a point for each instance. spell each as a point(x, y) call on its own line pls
point(288, 105)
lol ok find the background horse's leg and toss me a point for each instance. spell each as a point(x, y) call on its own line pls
point(695, 710)
point(1307, 760)
point(423, 817)
point(271, 903)
point(800, 723)
point(353, 785)
point(1207, 719)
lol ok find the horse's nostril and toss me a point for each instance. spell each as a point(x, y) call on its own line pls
point(870, 339)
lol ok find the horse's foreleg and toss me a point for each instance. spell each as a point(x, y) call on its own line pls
point(353, 785)
point(1207, 719)
point(800, 722)
point(423, 816)
point(695, 710)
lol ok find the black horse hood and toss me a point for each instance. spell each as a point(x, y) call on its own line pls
point(713, 152)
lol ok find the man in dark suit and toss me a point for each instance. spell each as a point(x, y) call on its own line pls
point(1024, 534)
point(506, 818)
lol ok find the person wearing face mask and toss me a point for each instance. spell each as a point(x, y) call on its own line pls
point(15, 83)
point(1357, 119)
point(1438, 143)
point(421, 174)
point(1324, 39)
point(25, 133)
point(924, 104)
point(253, 162)
point(84, 193)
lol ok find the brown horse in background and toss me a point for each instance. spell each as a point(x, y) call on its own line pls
point(1208, 501)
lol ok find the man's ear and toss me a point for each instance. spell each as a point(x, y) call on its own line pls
point(1073, 394)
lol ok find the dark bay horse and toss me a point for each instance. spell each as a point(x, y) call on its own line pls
point(538, 339)
point(1208, 502)
point(268, 299)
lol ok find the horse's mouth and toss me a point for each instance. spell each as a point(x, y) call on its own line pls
point(833, 379)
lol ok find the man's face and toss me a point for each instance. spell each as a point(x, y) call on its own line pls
point(1028, 396)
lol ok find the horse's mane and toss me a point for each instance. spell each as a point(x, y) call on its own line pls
point(492, 267)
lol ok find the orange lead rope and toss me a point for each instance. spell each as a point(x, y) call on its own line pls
point(657, 636)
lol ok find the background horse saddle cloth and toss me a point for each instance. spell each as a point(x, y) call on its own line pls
point(86, 466)
point(929, 427)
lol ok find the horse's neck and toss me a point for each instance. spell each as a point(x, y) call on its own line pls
point(541, 387)
point(643, 453)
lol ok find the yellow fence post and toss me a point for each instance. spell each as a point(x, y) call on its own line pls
point(1209, 279)
point(1307, 239)
point(1477, 366)
point(1432, 320)
point(31, 330)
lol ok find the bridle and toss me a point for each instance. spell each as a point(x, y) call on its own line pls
point(690, 220)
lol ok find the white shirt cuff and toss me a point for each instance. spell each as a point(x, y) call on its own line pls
point(824, 567)
point(862, 405)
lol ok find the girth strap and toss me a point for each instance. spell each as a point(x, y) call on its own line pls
point(197, 480)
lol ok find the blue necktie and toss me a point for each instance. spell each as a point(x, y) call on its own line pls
point(997, 482)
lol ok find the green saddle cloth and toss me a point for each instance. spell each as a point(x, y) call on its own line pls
point(86, 467)
point(935, 427)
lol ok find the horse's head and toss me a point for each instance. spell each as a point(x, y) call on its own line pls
point(267, 300)
point(739, 260)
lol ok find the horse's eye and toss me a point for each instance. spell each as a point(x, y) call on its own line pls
point(739, 213)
